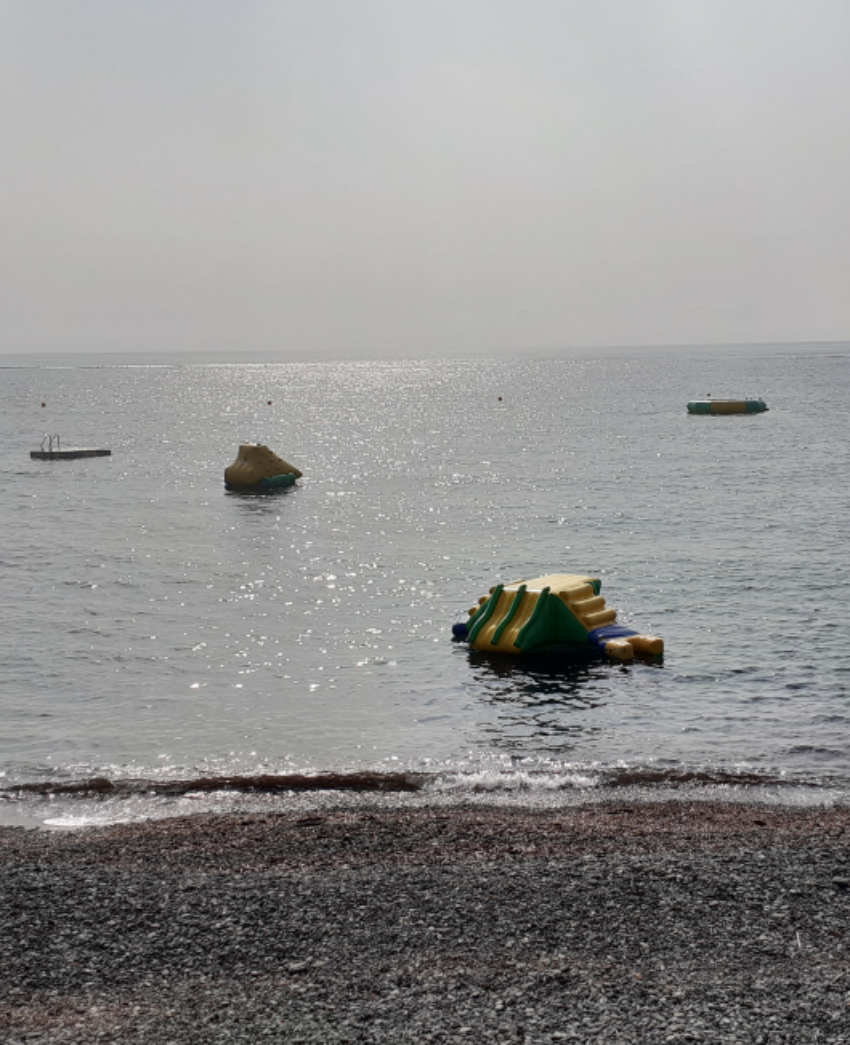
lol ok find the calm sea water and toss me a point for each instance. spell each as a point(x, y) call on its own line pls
point(157, 628)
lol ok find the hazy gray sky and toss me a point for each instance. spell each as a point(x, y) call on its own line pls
point(351, 175)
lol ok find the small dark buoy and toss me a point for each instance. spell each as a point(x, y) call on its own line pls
point(270, 402)
point(44, 404)
point(500, 399)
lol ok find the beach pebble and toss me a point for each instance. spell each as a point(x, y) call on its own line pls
point(663, 941)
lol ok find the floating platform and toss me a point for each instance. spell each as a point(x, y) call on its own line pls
point(69, 454)
point(727, 406)
point(51, 450)
point(558, 610)
point(257, 469)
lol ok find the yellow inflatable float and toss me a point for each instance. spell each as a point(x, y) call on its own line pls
point(258, 468)
point(551, 612)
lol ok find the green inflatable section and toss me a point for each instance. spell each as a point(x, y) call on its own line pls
point(274, 482)
point(477, 622)
point(551, 623)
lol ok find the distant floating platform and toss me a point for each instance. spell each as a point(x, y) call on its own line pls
point(727, 406)
point(69, 454)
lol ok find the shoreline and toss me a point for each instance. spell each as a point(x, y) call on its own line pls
point(99, 803)
point(616, 922)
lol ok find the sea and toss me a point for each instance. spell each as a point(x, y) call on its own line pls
point(172, 647)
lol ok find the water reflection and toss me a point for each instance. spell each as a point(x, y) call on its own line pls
point(560, 672)
point(551, 700)
point(261, 502)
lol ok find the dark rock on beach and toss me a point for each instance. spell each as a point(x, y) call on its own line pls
point(618, 923)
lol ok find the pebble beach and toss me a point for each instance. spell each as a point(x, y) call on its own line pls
point(621, 922)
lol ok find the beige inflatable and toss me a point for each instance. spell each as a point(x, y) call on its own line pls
point(258, 468)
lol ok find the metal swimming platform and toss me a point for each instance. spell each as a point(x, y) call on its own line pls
point(51, 450)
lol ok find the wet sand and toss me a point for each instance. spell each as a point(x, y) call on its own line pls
point(616, 922)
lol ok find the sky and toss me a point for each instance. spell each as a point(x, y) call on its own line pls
point(422, 176)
